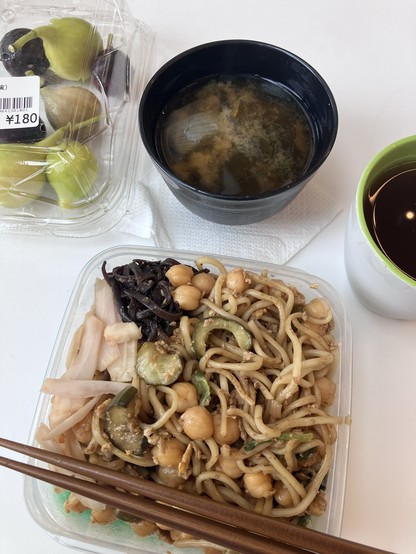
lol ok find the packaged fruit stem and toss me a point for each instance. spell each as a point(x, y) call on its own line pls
point(55, 138)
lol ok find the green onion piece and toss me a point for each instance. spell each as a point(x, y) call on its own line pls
point(251, 444)
point(301, 437)
point(202, 387)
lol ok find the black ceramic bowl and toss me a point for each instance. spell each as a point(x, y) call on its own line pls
point(239, 58)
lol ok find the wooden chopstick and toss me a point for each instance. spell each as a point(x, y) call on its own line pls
point(220, 523)
point(145, 508)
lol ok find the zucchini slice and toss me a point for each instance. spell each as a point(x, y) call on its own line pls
point(206, 326)
point(121, 426)
point(156, 365)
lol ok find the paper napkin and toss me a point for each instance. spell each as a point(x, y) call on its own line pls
point(156, 214)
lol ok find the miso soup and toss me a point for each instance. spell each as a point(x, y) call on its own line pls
point(236, 136)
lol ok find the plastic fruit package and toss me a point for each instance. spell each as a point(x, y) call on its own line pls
point(71, 76)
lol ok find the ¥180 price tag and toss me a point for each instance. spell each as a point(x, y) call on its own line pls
point(19, 102)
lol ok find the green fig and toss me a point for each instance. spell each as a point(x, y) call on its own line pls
point(22, 170)
point(72, 173)
point(22, 177)
point(71, 104)
point(22, 166)
point(71, 45)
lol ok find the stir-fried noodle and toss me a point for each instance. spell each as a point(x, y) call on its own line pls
point(235, 408)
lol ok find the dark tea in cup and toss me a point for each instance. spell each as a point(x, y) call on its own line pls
point(390, 212)
point(380, 237)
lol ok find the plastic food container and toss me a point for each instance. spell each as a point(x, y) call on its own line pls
point(92, 194)
point(75, 530)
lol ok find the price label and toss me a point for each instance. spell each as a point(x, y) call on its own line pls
point(19, 102)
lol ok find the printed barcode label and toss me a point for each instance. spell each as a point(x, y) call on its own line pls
point(19, 102)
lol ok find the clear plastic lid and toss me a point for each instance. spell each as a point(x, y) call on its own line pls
point(76, 530)
point(69, 139)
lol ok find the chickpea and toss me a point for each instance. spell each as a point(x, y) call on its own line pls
point(282, 495)
point(143, 528)
point(179, 274)
point(168, 452)
point(232, 432)
point(197, 423)
point(187, 296)
point(103, 517)
point(327, 389)
point(228, 464)
point(203, 282)
point(259, 484)
point(237, 280)
point(72, 504)
point(318, 308)
point(187, 396)
point(169, 476)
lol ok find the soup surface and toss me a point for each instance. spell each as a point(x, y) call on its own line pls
point(236, 136)
point(391, 216)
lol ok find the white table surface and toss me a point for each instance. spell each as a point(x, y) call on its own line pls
point(366, 52)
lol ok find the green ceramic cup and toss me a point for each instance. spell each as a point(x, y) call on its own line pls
point(379, 283)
